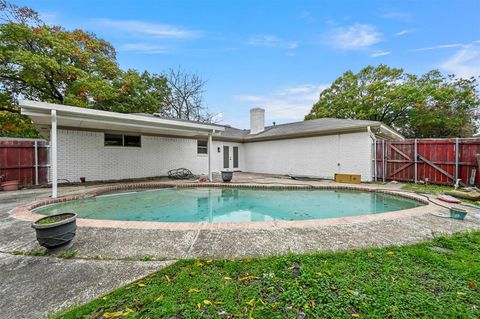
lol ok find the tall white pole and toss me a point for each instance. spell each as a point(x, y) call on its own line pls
point(53, 151)
point(210, 151)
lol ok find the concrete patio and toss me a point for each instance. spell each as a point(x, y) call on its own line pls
point(107, 257)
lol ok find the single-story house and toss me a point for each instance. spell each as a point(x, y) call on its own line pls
point(100, 145)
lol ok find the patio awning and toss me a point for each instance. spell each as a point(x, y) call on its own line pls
point(50, 117)
point(89, 119)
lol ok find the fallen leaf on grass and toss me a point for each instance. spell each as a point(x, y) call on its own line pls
point(218, 302)
point(227, 278)
point(116, 314)
point(198, 263)
point(141, 284)
point(193, 290)
point(167, 278)
point(160, 298)
point(247, 278)
point(251, 302)
point(207, 302)
point(391, 253)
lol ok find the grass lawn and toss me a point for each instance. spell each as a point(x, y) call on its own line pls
point(433, 189)
point(438, 279)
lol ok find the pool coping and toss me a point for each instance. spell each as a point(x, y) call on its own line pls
point(25, 212)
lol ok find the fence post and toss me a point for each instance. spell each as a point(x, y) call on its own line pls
point(383, 161)
point(415, 154)
point(375, 174)
point(456, 158)
point(36, 162)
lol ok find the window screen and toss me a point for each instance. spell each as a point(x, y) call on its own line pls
point(132, 141)
point(113, 140)
point(122, 140)
point(202, 147)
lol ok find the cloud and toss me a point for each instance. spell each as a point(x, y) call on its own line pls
point(403, 32)
point(286, 104)
point(436, 47)
point(398, 15)
point(464, 63)
point(272, 41)
point(307, 16)
point(380, 53)
point(144, 48)
point(152, 29)
point(354, 37)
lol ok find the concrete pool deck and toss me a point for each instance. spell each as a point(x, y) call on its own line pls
point(108, 257)
point(134, 240)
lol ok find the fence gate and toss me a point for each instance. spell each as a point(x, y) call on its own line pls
point(440, 161)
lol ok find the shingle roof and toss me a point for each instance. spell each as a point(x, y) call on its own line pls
point(310, 127)
point(323, 125)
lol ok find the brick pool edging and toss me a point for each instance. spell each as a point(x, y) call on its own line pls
point(25, 212)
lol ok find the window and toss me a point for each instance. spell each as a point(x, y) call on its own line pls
point(122, 140)
point(132, 141)
point(202, 147)
point(113, 140)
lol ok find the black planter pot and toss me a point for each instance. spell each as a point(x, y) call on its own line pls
point(57, 234)
point(227, 176)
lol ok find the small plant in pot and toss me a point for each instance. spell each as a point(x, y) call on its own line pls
point(227, 176)
point(8, 185)
point(56, 231)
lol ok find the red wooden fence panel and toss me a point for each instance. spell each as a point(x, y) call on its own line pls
point(17, 160)
point(436, 160)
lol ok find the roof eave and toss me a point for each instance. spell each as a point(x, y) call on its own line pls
point(44, 109)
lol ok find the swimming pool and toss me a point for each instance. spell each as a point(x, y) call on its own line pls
point(214, 205)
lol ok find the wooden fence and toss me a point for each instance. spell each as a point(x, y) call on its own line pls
point(24, 160)
point(438, 161)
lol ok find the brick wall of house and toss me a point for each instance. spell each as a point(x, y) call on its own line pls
point(312, 156)
point(83, 154)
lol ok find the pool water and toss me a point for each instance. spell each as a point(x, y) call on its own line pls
point(230, 205)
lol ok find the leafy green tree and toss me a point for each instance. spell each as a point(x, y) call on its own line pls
point(51, 64)
point(431, 105)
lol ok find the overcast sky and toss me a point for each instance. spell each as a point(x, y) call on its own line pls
point(277, 54)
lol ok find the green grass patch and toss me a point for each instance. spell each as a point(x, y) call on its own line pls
point(438, 279)
point(427, 188)
point(433, 189)
point(68, 254)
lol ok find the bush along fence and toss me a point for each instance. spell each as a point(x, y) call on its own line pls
point(434, 161)
point(24, 160)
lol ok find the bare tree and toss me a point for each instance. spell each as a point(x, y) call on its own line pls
point(11, 13)
point(186, 97)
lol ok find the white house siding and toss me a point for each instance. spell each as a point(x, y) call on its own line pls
point(83, 154)
point(312, 156)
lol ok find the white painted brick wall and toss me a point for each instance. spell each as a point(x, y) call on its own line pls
point(312, 156)
point(82, 153)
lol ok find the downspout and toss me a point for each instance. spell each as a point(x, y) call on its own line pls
point(374, 139)
point(210, 150)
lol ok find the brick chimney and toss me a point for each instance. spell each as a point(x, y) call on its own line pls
point(257, 120)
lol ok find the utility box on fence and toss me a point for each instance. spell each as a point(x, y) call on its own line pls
point(348, 178)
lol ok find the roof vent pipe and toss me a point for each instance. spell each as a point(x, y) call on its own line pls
point(257, 120)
